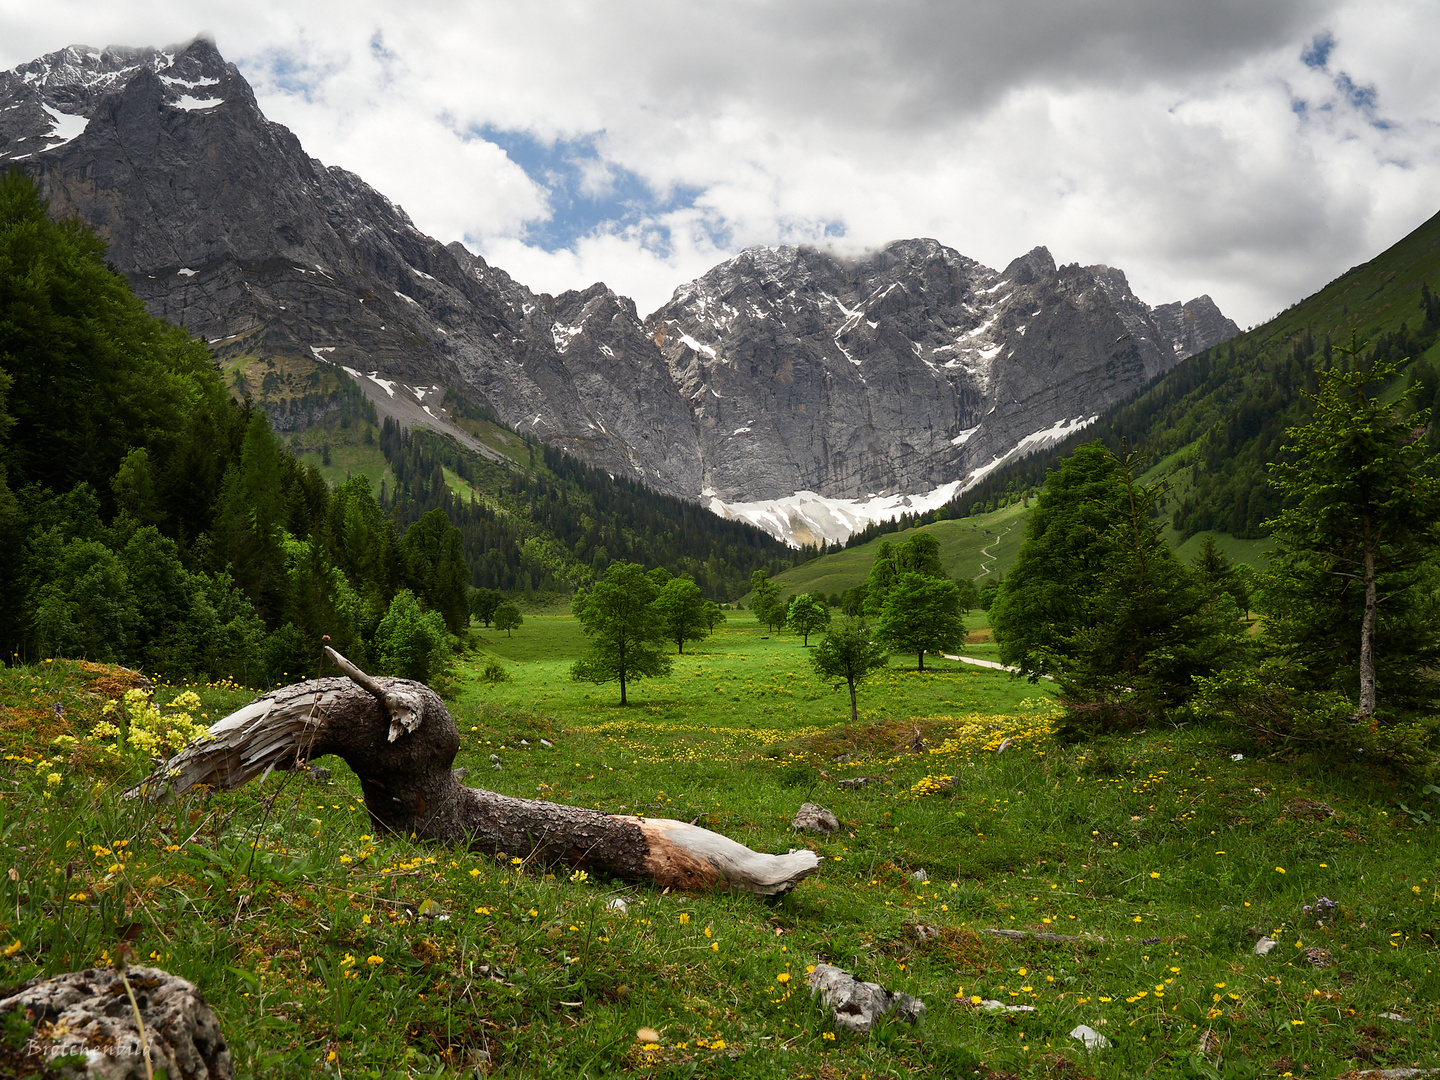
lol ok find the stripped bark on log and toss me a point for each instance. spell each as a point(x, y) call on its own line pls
point(400, 740)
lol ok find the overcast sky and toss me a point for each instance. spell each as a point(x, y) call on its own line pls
point(1249, 149)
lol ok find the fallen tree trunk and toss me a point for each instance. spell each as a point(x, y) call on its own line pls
point(399, 738)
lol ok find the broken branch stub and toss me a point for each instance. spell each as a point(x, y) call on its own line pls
point(400, 740)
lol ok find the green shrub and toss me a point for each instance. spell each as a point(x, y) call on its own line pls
point(410, 641)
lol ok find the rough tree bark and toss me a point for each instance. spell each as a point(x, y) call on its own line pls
point(399, 738)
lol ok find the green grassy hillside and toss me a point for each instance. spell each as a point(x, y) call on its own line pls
point(970, 548)
point(328, 948)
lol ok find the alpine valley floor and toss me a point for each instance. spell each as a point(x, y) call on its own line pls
point(330, 951)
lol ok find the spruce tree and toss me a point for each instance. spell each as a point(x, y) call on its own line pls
point(1350, 596)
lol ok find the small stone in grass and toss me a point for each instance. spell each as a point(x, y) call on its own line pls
point(547, 744)
point(1319, 957)
point(813, 818)
point(920, 875)
point(855, 1004)
point(1092, 1039)
point(1263, 946)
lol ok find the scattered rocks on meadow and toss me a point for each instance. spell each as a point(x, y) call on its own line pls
point(861, 781)
point(857, 1005)
point(813, 818)
point(88, 1012)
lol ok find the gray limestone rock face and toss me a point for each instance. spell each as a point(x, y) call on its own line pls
point(903, 370)
point(223, 224)
point(89, 1012)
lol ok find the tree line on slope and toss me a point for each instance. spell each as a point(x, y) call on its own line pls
point(558, 526)
point(149, 518)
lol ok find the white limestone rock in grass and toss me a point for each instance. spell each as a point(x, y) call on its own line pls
point(813, 818)
point(89, 1012)
point(1092, 1039)
point(857, 1005)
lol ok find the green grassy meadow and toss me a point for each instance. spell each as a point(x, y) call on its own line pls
point(1162, 855)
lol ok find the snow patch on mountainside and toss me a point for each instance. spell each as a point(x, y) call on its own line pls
point(809, 518)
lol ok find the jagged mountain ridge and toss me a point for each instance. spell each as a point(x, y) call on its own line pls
point(942, 365)
point(780, 371)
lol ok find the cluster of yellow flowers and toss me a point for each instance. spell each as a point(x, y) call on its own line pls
point(153, 733)
point(929, 785)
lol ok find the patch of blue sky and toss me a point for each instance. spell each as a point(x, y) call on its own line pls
point(293, 76)
point(1317, 53)
point(587, 194)
point(1361, 97)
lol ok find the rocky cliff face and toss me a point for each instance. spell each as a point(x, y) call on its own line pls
point(781, 371)
point(904, 370)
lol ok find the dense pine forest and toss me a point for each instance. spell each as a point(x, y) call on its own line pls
point(149, 517)
point(554, 528)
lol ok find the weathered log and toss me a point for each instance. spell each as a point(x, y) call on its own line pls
point(400, 740)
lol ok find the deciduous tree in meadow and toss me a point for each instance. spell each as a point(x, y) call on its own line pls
point(806, 615)
point(921, 614)
point(682, 611)
point(765, 600)
point(849, 655)
point(628, 640)
point(508, 618)
point(483, 603)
